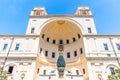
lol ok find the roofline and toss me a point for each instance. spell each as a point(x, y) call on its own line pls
point(12, 35)
point(62, 15)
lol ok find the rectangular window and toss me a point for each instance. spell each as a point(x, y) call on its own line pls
point(44, 72)
point(108, 55)
point(67, 41)
point(40, 50)
point(77, 72)
point(81, 51)
point(89, 30)
point(46, 53)
point(43, 35)
point(5, 46)
point(111, 70)
point(54, 41)
point(73, 39)
point(105, 47)
point(78, 35)
point(68, 55)
point(53, 54)
point(17, 47)
point(75, 53)
point(83, 71)
point(47, 39)
point(118, 46)
point(32, 30)
point(61, 42)
point(37, 70)
point(10, 70)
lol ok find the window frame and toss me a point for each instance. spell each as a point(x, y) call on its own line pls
point(17, 47)
point(75, 53)
point(46, 53)
point(118, 46)
point(89, 30)
point(5, 46)
point(32, 30)
point(105, 46)
point(68, 55)
point(53, 55)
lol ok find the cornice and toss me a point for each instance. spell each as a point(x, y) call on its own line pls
point(65, 15)
point(102, 35)
point(12, 35)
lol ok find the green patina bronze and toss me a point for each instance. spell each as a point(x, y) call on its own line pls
point(61, 65)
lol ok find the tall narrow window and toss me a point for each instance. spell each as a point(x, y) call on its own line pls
point(43, 35)
point(67, 41)
point(105, 46)
point(54, 41)
point(73, 39)
point(77, 72)
point(5, 46)
point(44, 72)
point(40, 50)
point(78, 35)
point(10, 70)
point(53, 54)
point(89, 30)
point(37, 70)
point(83, 71)
point(111, 70)
point(32, 30)
point(46, 53)
point(81, 51)
point(61, 42)
point(118, 46)
point(75, 53)
point(17, 47)
point(47, 39)
point(68, 55)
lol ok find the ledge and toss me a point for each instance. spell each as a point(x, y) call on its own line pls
point(66, 15)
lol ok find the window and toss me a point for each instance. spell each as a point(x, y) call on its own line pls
point(81, 51)
point(78, 35)
point(89, 30)
point(108, 55)
point(111, 70)
point(83, 71)
point(118, 46)
point(61, 42)
point(10, 69)
point(32, 30)
point(47, 39)
point(40, 50)
point(105, 47)
point(46, 53)
point(43, 35)
point(68, 55)
point(67, 41)
point(77, 72)
point(44, 72)
point(54, 41)
point(75, 53)
point(5, 46)
point(53, 54)
point(37, 70)
point(17, 47)
point(73, 39)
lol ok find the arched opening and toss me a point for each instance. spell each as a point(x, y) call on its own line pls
point(61, 32)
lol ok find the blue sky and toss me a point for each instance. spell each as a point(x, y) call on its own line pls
point(14, 14)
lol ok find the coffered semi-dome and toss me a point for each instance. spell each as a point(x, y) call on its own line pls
point(61, 29)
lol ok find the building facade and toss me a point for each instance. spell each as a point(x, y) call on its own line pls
point(34, 56)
